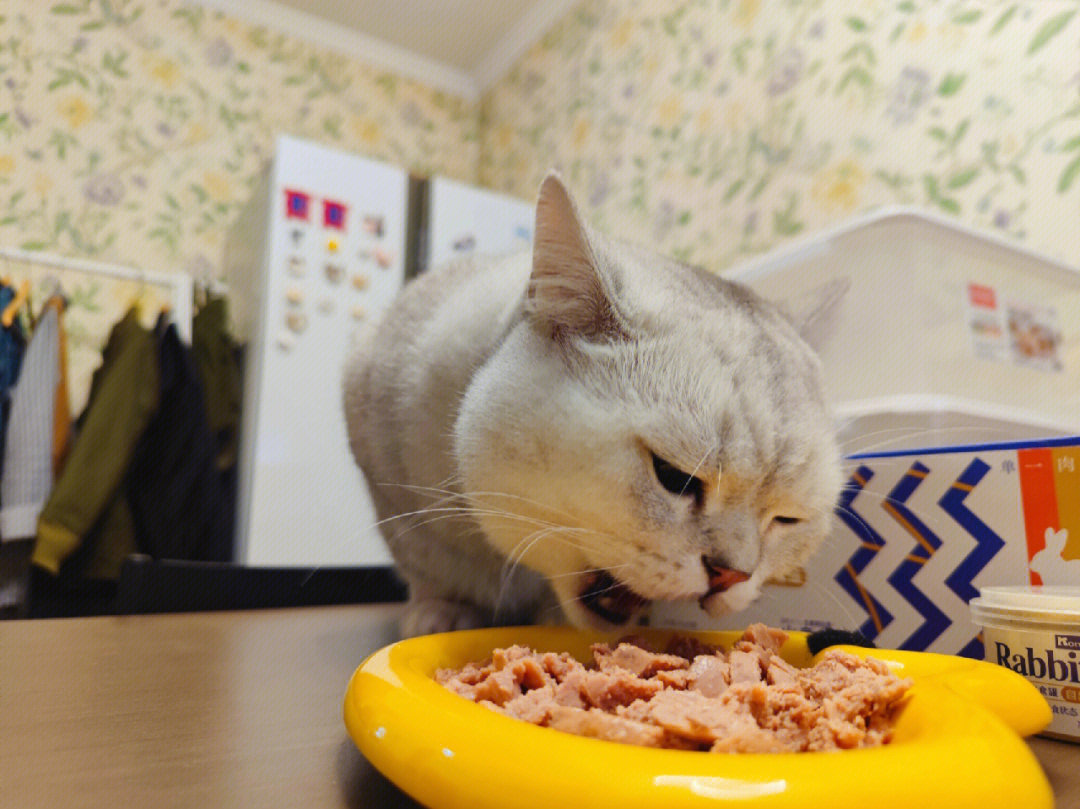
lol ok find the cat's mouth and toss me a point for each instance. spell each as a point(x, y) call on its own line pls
point(722, 579)
point(610, 599)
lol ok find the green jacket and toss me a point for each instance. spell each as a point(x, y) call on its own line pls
point(86, 522)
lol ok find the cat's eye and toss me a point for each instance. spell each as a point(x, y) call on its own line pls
point(784, 520)
point(677, 481)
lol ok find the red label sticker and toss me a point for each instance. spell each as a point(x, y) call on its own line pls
point(296, 204)
point(982, 296)
point(333, 214)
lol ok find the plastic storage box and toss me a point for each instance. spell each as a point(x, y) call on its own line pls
point(932, 334)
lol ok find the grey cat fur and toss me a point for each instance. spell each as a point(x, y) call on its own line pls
point(505, 413)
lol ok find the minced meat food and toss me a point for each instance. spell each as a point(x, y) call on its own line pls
point(692, 696)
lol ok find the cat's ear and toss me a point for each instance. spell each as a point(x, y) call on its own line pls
point(814, 312)
point(566, 294)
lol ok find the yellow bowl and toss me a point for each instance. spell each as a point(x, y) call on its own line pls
point(957, 742)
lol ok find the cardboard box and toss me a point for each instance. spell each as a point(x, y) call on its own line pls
point(917, 533)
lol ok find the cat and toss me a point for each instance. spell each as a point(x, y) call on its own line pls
point(576, 432)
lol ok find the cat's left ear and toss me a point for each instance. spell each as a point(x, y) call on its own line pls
point(566, 295)
point(814, 313)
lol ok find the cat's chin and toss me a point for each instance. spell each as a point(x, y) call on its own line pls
point(736, 598)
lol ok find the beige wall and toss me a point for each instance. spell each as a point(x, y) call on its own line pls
point(718, 129)
point(134, 136)
point(711, 130)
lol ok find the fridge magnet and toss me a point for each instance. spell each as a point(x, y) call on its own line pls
point(384, 258)
point(325, 306)
point(296, 321)
point(335, 273)
point(358, 312)
point(373, 225)
point(296, 204)
point(297, 266)
point(1012, 331)
point(1034, 336)
point(294, 296)
point(333, 214)
point(984, 316)
point(360, 281)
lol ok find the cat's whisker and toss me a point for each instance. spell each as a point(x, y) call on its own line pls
point(483, 496)
point(519, 499)
point(557, 533)
point(858, 518)
point(854, 620)
point(700, 463)
point(448, 512)
point(517, 554)
point(904, 434)
point(574, 573)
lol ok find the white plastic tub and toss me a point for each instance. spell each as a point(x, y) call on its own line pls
point(927, 330)
point(1035, 631)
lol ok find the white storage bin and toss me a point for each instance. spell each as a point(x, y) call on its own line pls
point(933, 334)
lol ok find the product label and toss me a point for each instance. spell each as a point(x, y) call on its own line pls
point(1050, 493)
point(1051, 662)
point(1067, 641)
point(1017, 332)
point(1039, 665)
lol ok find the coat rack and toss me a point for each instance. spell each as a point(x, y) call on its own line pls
point(177, 288)
point(34, 269)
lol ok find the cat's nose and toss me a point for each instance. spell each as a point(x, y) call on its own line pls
point(720, 576)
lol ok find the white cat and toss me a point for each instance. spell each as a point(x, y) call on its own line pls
point(595, 428)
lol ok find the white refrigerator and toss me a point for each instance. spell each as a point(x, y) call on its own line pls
point(460, 219)
point(318, 252)
point(323, 247)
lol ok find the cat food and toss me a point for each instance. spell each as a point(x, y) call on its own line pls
point(692, 696)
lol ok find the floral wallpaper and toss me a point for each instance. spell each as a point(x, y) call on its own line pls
point(721, 128)
point(132, 130)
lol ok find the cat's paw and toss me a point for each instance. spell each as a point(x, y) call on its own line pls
point(430, 615)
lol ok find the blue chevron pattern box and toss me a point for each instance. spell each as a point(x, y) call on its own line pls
point(917, 533)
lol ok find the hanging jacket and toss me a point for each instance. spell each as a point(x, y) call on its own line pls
point(27, 460)
point(62, 406)
point(86, 526)
point(174, 487)
point(12, 346)
point(216, 357)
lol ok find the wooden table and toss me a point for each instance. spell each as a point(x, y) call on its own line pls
point(214, 710)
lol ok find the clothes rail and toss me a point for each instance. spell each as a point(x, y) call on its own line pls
point(179, 285)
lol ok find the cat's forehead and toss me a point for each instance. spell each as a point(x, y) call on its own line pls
point(755, 420)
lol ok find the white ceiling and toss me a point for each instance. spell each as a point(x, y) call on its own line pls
point(461, 46)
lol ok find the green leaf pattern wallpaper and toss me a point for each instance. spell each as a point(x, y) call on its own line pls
point(718, 129)
point(132, 131)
